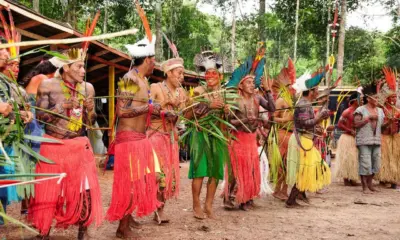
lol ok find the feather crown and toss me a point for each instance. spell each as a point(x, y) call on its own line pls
point(308, 81)
point(145, 47)
point(253, 67)
point(388, 86)
point(286, 77)
point(208, 59)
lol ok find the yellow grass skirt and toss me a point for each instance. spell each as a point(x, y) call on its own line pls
point(306, 169)
point(390, 159)
point(347, 158)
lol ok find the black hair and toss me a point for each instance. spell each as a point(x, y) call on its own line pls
point(3, 40)
point(45, 67)
point(139, 61)
point(306, 93)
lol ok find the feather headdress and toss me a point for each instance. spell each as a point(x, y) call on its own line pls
point(210, 60)
point(172, 46)
point(308, 81)
point(253, 67)
point(387, 86)
point(145, 47)
point(286, 77)
point(10, 33)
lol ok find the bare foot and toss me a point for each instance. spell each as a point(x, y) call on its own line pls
point(228, 204)
point(133, 223)
point(294, 205)
point(280, 196)
point(367, 191)
point(198, 213)
point(126, 233)
point(160, 217)
point(372, 189)
point(210, 213)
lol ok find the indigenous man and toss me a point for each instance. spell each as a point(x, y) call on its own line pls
point(346, 153)
point(71, 101)
point(306, 169)
point(13, 94)
point(284, 120)
point(135, 186)
point(209, 161)
point(368, 120)
point(245, 162)
point(163, 134)
point(390, 161)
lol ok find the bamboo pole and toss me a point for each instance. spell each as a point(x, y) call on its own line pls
point(111, 102)
point(70, 40)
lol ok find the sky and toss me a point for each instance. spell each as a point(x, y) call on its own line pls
point(368, 17)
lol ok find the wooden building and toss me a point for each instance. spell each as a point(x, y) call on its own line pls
point(105, 65)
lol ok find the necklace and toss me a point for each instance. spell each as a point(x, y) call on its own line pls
point(251, 106)
point(169, 91)
point(75, 114)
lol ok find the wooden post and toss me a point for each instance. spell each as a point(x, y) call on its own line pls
point(111, 100)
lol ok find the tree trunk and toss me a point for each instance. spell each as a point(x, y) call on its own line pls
point(296, 30)
point(233, 46)
point(261, 22)
point(328, 40)
point(105, 19)
point(36, 5)
point(158, 19)
point(342, 33)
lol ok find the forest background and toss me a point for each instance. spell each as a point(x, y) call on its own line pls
point(300, 29)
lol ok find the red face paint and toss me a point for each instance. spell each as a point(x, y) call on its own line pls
point(211, 75)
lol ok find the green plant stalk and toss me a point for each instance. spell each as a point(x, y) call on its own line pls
point(5, 176)
point(12, 220)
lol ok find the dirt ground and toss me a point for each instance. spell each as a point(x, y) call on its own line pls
point(341, 213)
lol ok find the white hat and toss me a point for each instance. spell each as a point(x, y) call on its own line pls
point(57, 62)
point(143, 48)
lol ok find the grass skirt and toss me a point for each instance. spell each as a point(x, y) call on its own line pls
point(135, 185)
point(66, 201)
point(168, 157)
point(265, 188)
point(347, 158)
point(390, 159)
point(245, 166)
point(306, 169)
point(208, 156)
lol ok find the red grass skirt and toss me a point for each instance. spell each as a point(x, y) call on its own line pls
point(135, 186)
point(168, 157)
point(245, 166)
point(66, 201)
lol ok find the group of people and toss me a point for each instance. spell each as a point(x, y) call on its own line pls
point(367, 148)
point(225, 123)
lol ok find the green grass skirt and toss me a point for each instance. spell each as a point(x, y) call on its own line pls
point(208, 156)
